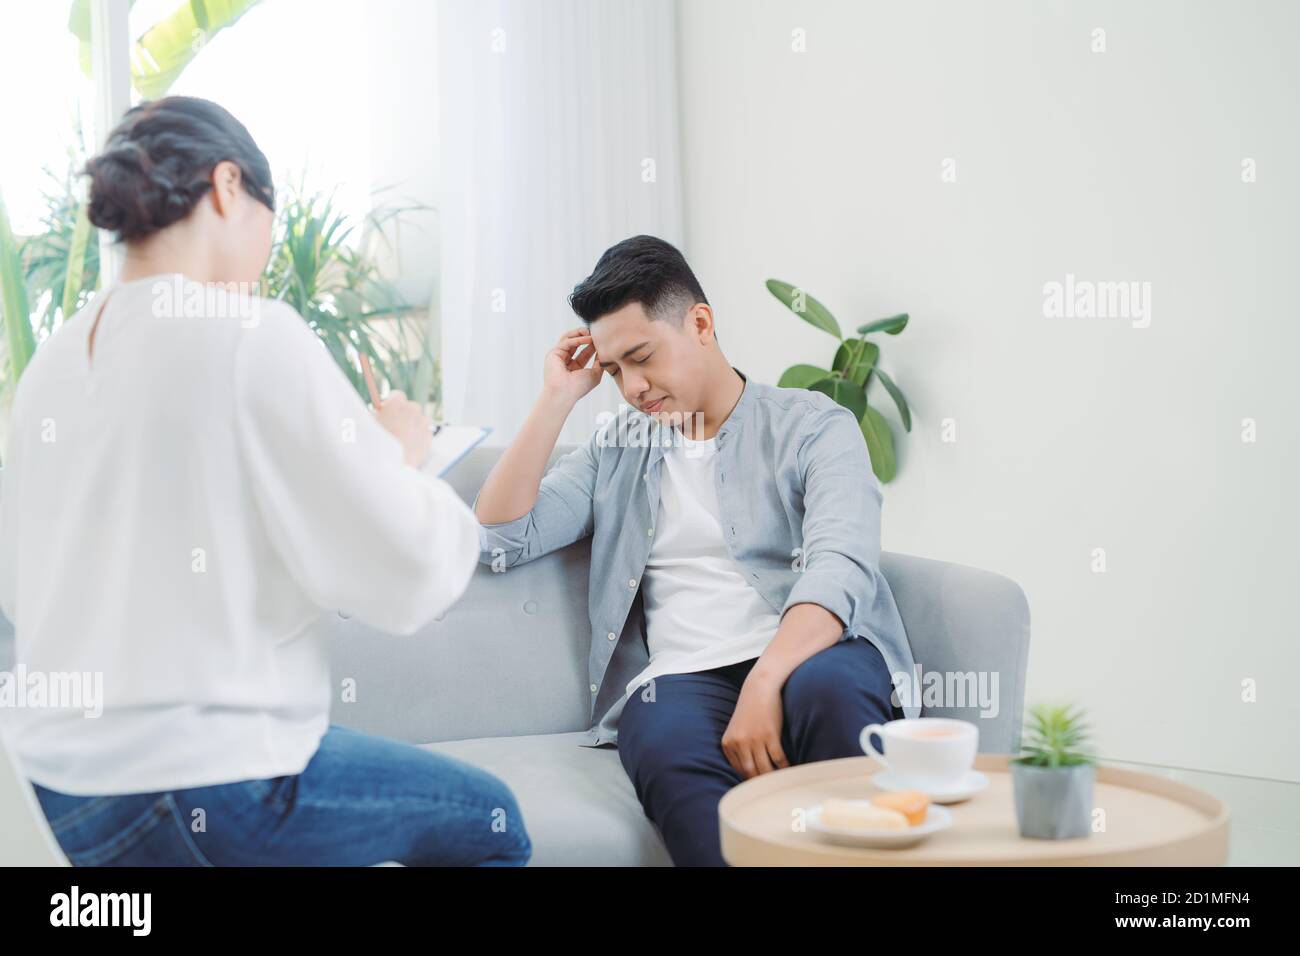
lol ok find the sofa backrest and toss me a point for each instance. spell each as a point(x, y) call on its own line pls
point(510, 657)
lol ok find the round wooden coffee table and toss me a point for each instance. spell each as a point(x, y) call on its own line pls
point(1149, 821)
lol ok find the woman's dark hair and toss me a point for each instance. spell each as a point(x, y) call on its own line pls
point(158, 162)
point(642, 269)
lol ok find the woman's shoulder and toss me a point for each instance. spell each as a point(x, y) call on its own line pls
point(275, 315)
point(265, 324)
point(63, 344)
point(275, 340)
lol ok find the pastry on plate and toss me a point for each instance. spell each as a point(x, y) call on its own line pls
point(912, 804)
point(861, 815)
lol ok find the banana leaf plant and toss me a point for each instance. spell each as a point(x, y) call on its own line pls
point(163, 51)
point(852, 371)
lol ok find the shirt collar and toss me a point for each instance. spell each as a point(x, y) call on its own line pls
point(734, 421)
point(743, 405)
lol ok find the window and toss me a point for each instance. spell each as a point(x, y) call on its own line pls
point(340, 100)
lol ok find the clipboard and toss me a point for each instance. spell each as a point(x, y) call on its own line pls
point(451, 443)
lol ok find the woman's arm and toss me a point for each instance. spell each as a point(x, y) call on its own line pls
point(358, 528)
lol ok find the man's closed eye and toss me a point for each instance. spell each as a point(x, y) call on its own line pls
point(614, 370)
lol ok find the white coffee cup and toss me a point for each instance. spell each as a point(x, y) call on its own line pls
point(925, 752)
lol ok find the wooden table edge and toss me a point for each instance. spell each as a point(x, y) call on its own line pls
point(1205, 847)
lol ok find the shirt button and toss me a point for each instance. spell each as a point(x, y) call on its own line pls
point(593, 688)
point(650, 532)
point(631, 583)
point(610, 635)
point(646, 475)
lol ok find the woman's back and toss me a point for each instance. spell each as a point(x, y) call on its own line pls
point(190, 483)
point(181, 503)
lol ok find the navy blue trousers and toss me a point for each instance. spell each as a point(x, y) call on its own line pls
point(671, 746)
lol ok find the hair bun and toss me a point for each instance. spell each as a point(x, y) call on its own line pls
point(131, 195)
point(158, 161)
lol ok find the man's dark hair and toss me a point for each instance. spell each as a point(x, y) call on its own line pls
point(641, 269)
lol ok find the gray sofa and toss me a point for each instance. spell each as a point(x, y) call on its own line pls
point(501, 682)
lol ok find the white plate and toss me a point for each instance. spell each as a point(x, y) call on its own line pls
point(973, 783)
point(936, 819)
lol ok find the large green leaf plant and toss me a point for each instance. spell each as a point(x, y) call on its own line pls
point(853, 369)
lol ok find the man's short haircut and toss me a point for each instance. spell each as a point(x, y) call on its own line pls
point(642, 269)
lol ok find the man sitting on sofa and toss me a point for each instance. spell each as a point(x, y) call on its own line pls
point(743, 518)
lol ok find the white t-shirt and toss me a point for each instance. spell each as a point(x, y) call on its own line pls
point(700, 611)
point(177, 512)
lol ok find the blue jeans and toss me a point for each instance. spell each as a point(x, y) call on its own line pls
point(360, 800)
point(671, 746)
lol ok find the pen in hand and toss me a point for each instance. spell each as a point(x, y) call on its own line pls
point(401, 418)
point(370, 380)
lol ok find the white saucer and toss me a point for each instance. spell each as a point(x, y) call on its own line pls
point(972, 784)
point(936, 818)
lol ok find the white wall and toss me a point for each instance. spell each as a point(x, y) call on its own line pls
point(823, 168)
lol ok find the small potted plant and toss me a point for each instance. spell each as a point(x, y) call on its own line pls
point(1053, 779)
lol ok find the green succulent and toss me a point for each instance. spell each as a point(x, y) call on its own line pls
point(1055, 736)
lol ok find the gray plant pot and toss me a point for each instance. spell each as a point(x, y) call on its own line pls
point(1053, 803)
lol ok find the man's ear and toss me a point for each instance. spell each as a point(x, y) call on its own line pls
point(701, 319)
point(227, 180)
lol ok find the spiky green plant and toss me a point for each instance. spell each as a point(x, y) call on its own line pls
point(61, 258)
point(334, 283)
point(1055, 736)
point(337, 287)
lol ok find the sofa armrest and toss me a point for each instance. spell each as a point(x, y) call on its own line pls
point(968, 629)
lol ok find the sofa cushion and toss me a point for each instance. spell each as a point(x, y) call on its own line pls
point(578, 803)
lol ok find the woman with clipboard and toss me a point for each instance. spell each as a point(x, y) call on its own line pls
point(190, 484)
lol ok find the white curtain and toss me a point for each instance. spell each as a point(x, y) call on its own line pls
point(559, 137)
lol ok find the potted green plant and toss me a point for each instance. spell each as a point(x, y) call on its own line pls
point(852, 371)
point(1053, 778)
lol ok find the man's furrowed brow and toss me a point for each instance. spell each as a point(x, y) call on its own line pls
point(639, 345)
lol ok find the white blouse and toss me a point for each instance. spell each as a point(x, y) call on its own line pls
point(178, 511)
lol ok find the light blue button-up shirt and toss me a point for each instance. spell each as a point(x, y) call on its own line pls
point(800, 511)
